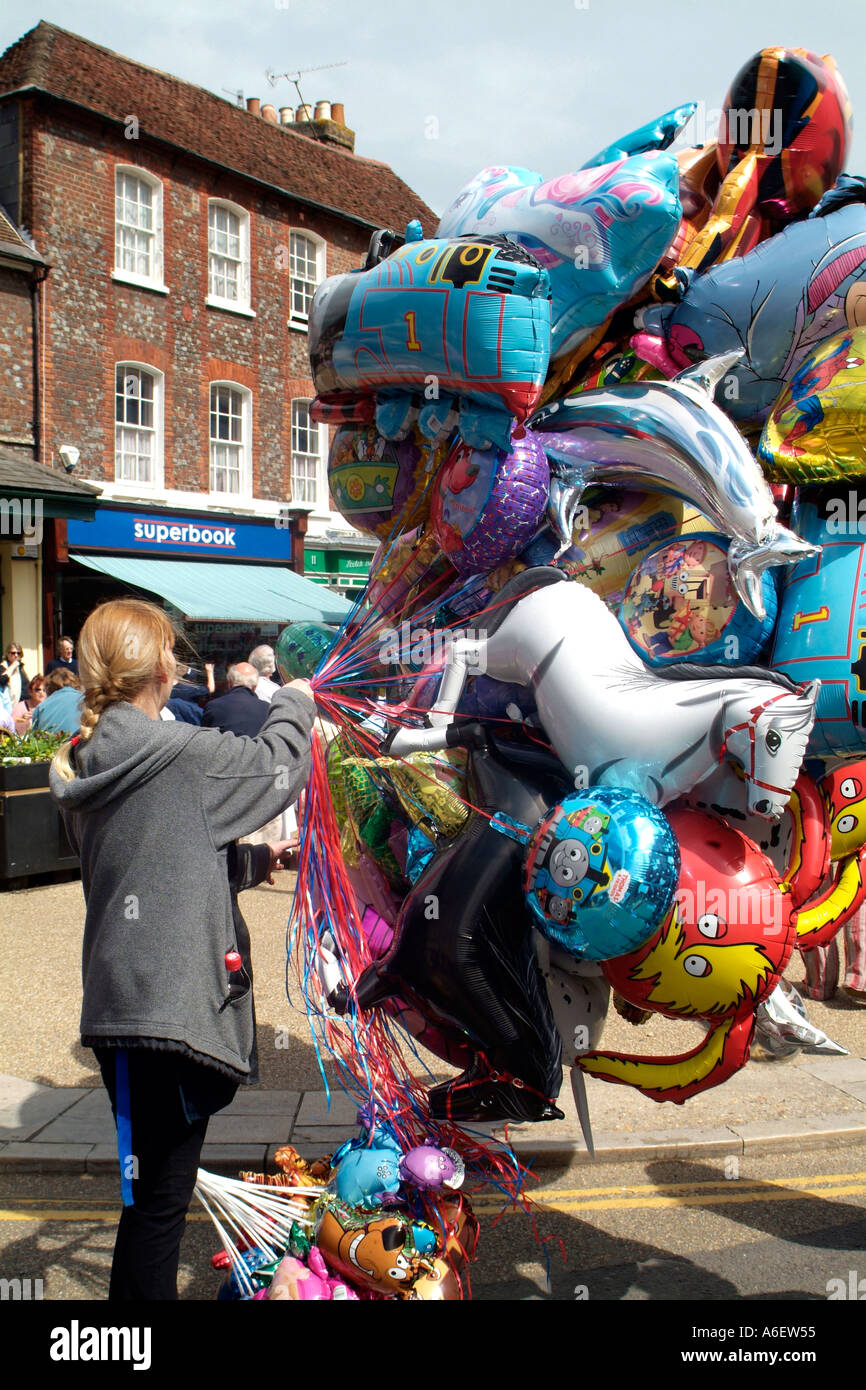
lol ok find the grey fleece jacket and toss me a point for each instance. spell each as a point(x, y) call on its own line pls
point(151, 814)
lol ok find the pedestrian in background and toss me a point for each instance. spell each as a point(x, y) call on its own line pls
point(60, 711)
point(263, 659)
point(239, 711)
point(22, 713)
point(64, 660)
point(822, 964)
point(13, 679)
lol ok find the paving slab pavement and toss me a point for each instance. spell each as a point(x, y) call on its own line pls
point(799, 1104)
point(54, 1113)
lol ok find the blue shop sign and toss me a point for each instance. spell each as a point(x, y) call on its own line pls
point(160, 533)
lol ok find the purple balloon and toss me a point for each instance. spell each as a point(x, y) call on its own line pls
point(428, 1166)
point(487, 504)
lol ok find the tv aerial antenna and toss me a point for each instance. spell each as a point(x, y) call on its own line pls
point(237, 93)
point(295, 77)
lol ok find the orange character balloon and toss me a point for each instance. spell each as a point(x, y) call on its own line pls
point(720, 951)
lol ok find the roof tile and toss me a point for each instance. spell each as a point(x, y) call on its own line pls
point(72, 69)
point(12, 243)
point(16, 471)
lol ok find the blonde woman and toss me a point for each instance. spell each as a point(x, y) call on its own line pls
point(153, 810)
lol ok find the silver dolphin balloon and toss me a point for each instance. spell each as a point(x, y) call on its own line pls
point(669, 436)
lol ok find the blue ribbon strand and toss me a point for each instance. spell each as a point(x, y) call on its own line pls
point(124, 1127)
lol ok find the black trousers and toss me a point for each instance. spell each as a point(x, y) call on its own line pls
point(171, 1099)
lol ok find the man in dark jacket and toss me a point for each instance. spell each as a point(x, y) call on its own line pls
point(187, 702)
point(240, 711)
point(64, 661)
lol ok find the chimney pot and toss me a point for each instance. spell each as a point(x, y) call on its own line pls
point(304, 113)
point(338, 113)
point(269, 113)
point(254, 106)
point(323, 110)
point(287, 115)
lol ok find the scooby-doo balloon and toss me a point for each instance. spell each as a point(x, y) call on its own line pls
point(383, 1253)
point(720, 951)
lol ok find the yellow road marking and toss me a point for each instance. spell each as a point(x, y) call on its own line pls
point(77, 1214)
point(809, 1180)
point(788, 1193)
point(638, 1188)
point(657, 1196)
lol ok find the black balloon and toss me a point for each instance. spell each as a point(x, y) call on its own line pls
point(463, 949)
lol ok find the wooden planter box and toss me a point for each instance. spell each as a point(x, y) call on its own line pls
point(32, 836)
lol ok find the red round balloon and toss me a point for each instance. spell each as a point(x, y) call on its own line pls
point(726, 940)
point(790, 107)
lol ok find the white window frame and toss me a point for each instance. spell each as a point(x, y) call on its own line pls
point(243, 303)
point(320, 503)
point(297, 319)
point(245, 491)
point(153, 281)
point(158, 429)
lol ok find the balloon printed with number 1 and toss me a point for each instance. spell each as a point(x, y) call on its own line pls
point(821, 630)
point(433, 312)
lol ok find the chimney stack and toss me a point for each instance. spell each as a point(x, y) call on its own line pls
point(269, 113)
point(287, 115)
point(254, 106)
point(328, 124)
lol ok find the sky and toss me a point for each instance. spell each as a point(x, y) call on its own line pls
point(440, 90)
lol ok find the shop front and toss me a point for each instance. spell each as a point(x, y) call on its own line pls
point(340, 568)
point(32, 499)
point(227, 581)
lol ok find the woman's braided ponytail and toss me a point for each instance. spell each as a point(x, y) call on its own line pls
point(120, 648)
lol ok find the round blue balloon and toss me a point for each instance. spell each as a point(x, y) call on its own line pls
point(680, 605)
point(601, 871)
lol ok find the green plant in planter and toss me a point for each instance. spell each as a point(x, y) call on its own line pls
point(34, 747)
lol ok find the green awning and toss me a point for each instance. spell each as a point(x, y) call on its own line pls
point(223, 592)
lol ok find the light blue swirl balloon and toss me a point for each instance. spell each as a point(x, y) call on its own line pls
point(599, 233)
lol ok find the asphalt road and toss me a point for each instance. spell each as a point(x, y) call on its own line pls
point(778, 1228)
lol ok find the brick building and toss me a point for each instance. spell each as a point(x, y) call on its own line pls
point(185, 238)
point(30, 494)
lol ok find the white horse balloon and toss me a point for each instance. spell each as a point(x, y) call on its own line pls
point(612, 720)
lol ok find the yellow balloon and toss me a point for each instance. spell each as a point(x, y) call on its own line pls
point(817, 430)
